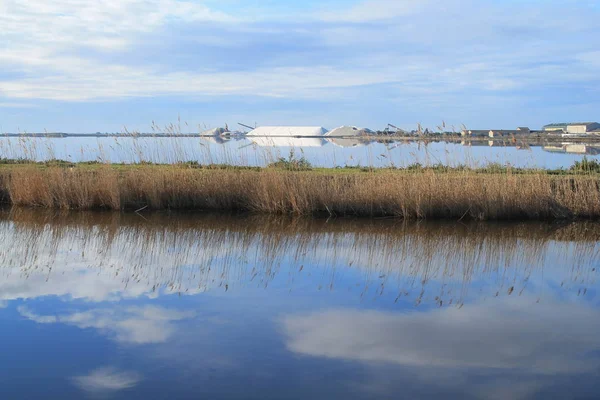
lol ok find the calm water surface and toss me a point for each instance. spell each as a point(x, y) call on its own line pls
point(102, 305)
point(261, 151)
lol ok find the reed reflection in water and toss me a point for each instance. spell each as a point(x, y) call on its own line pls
point(112, 256)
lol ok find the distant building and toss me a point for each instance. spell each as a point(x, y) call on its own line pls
point(504, 132)
point(573, 127)
point(555, 127)
point(475, 133)
point(582, 127)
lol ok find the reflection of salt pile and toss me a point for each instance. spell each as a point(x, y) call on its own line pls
point(349, 136)
point(216, 135)
point(215, 132)
point(288, 136)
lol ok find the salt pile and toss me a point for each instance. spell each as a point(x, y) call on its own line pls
point(288, 131)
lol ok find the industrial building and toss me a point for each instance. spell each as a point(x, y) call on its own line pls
point(582, 127)
point(475, 132)
point(555, 127)
point(573, 127)
point(503, 132)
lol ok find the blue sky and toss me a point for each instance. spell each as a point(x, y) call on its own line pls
point(79, 66)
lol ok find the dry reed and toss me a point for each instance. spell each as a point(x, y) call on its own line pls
point(421, 195)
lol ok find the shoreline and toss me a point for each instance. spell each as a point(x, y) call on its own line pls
point(534, 138)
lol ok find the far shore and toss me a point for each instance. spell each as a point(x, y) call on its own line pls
point(535, 138)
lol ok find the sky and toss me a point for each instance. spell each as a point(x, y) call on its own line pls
point(81, 66)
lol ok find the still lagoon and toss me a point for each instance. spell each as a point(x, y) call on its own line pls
point(189, 306)
point(261, 151)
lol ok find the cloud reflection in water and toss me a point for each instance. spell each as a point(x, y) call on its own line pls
point(106, 380)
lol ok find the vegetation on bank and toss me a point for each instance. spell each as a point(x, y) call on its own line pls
point(291, 187)
point(586, 166)
point(293, 163)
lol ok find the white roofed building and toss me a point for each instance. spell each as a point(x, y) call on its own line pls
point(582, 127)
point(573, 127)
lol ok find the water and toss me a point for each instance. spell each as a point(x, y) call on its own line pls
point(321, 153)
point(108, 305)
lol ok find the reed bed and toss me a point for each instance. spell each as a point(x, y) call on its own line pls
point(427, 194)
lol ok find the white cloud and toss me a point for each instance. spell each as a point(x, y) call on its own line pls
point(551, 338)
point(426, 47)
point(131, 325)
point(40, 319)
point(107, 379)
point(59, 32)
point(119, 82)
point(105, 24)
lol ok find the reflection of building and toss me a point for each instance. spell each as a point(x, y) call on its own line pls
point(573, 148)
point(495, 132)
point(477, 143)
point(492, 143)
point(573, 127)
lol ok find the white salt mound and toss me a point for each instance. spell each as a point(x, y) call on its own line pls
point(214, 132)
point(288, 131)
point(349, 131)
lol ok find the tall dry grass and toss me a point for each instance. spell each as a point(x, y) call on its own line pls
point(410, 195)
